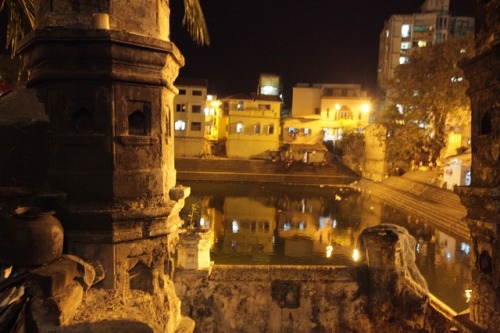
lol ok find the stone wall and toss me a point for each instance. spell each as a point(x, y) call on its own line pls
point(274, 299)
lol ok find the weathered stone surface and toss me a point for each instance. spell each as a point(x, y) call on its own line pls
point(58, 310)
point(54, 278)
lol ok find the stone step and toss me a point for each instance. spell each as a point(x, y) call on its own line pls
point(448, 218)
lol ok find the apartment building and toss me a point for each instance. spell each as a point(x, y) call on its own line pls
point(403, 33)
point(322, 112)
point(251, 125)
point(189, 117)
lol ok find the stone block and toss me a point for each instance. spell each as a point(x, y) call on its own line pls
point(58, 310)
point(179, 192)
point(52, 279)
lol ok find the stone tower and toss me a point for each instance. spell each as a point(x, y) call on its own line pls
point(482, 198)
point(104, 71)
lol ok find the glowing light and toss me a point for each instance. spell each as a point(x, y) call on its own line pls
point(337, 106)
point(468, 294)
point(202, 222)
point(334, 223)
point(355, 255)
point(365, 107)
point(210, 97)
point(236, 228)
point(329, 250)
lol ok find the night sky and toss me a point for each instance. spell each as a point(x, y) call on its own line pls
point(334, 41)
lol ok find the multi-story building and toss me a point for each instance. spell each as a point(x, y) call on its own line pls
point(403, 33)
point(189, 117)
point(322, 112)
point(250, 125)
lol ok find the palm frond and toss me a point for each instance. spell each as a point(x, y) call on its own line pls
point(194, 21)
point(20, 20)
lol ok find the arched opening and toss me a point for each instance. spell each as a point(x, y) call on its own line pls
point(141, 278)
point(83, 121)
point(137, 123)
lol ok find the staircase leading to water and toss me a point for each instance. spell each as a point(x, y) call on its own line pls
point(424, 200)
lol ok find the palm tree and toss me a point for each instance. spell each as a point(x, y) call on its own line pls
point(21, 20)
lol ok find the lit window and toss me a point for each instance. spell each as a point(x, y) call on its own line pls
point(241, 105)
point(210, 98)
point(457, 79)
point(195, 126)
point(180, 107)
point(180, 125)
point(405, 45)
point(307, 131)
point(239, 127)
point(257, 128)
point(405, 30)
point(422, 43)
point(235, 227)
point(403, 60)
point(196, 108)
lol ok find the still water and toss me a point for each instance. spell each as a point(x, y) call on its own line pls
point(302, 225)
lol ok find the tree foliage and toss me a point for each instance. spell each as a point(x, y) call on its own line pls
point(427, 96)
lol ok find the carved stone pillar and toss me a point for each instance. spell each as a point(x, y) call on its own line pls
point(482, 198)
point(109, 96)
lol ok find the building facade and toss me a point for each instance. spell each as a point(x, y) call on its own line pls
point(322, 112)
point(189, 117)
point(250, 125)
point(403, 33)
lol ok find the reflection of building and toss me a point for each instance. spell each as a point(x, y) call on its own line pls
point(249, 226)
point(322, 112)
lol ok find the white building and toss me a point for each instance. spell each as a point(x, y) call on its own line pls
point(189, 117)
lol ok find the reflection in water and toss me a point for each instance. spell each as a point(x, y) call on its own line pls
point(278, 224)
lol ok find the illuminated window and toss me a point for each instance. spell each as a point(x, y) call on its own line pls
point(239, 127)
point(403, 60)
point(196, 108)
point(180, 107)
point(180, 125)
point(405, 30)
point(195, 126)
point(241, 105)
point(405, 45)
point(307, 131)
point(422, 43)
point(257, 128)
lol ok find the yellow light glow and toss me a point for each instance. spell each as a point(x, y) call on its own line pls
point(365, 107)
point(355, 255)
point(337, 106)
point(329, 250)
point(468, 294)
